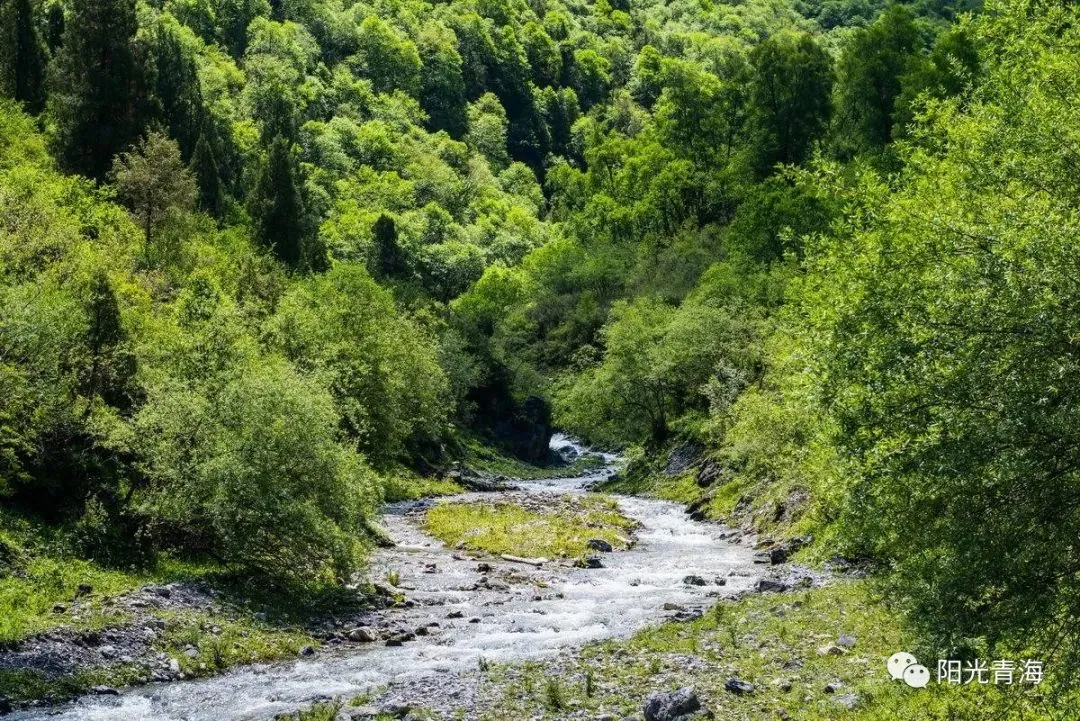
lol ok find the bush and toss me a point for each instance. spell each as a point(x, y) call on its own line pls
point(252, 463)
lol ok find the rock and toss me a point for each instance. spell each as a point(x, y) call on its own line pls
point(395, 710)
point(782, 685)
point(590, 562)
point(455, 614)
point(692, 580)
point(421, 631)
point(431, 568)
point(104, 691)
point(85, 589)
point(683, 457)
point(107, 651)
point(307, 651)
point(191, 652)
point(5, 705)
point(670, 705)
point(483, 568)
point(721, 581)
point(598, 544)
point(355, 713)
point(363, 634)
point(709, 473)
point(833, 687)
point(847, 700)
point(738, 686)
point(846, 641)
point(771, 585)
point(670, 606)
point(174, 666)
point(830, 650)
point(474, 619)
point(59, 608)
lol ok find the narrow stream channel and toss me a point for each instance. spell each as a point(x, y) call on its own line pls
point(529, 613)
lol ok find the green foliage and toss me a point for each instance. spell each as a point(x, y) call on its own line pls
point(870, 71)
point(791, 98)
point(943, 299)
point(250, 465)
point(23, 59)
point(659, 362)
point(389, 388)
point(153, 181)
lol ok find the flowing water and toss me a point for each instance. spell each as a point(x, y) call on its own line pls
point(539, 612)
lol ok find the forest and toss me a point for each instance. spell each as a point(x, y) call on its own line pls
point(266, 265)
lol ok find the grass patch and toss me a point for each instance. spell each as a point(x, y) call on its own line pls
point(405, 485)
point(560, 528)
point(21, 686)
point(37, 573)
point(219, 643)
point(775, 642)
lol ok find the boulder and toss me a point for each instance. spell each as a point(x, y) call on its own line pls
point(363, 634)
point(670, 705)
point(597, 544)
point(683, 457)
point(693, 580)
point(738, 686)
point(771, 585)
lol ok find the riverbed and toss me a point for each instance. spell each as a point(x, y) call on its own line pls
point(464, 613)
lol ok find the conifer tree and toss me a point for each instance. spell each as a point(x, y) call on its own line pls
point(389, 260)
point(205, 169)
point(278, 206)
point(28, 59)
point(94, 85)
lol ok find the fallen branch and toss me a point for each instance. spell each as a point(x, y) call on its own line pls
point(537, 562)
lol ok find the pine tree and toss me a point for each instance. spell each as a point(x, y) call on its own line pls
point(278, 206)
point(205, 169)
point(95, 85)
point(29, 59)
point(176, 88)
point(389, 260)
point(112, 366)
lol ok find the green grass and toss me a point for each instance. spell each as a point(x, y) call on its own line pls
point(560, 530)
point(37, 573)
point(681, 488)
point(20, 686)
point(405, 485)
point(768, 640)
point(221, 643)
